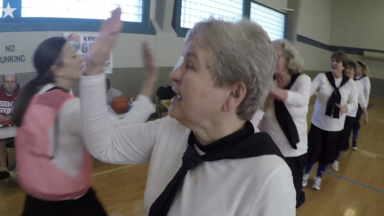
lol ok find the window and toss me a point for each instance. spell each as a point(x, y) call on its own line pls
point(193, 11)
point(273, 22)
point(82, 9)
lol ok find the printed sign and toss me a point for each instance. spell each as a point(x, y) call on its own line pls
point(82, 42)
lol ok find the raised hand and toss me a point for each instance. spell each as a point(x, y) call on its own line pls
point(99, 52)
point(151, 71)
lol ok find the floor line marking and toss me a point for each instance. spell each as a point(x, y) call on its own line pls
point(350, 180)
point(111, 170)
point(359, 149)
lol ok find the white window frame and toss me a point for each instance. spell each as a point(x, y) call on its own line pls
point(132, 10)
point(229, 10)
point(272, 21)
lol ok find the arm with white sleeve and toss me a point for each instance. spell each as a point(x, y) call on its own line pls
point(352, 97)
point(301, 96)
point(361, 98)
point(104, 140)
point(367, 89)
point(315, 85)
point(120, 144)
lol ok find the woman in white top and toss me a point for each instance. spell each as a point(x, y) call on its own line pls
point(362, 72)
point(336, 96)
point(285, 118)
point(53, 163)
point(206, 158)
point(350, 118)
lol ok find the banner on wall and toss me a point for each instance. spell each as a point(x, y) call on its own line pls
point(82, 43)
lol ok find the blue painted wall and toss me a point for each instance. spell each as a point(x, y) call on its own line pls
point(21, 24)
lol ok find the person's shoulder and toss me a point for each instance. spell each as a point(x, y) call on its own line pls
point(2, 94)
point(358, 84)
point(263, 167)
point(116, 91)
point(71, 107)
point(352, 82)
point(321, 76)
point(270, 162)
point(169, 123)
point(303, 78)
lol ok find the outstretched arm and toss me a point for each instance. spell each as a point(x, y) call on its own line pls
point(104, 140)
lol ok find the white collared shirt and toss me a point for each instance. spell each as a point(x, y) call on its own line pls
point(324, 89)
point(297, 105)
point(360, 98)
point(250, 186)
point(366, 83)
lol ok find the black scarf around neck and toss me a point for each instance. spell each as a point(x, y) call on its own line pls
point(335, 98)
point(241, 144)
point(284, 118)
point(357, 79)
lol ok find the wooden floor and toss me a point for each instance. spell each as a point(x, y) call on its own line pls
point(357, 189)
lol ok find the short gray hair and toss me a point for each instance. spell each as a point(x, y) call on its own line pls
point(240, 52)
point(295, 62)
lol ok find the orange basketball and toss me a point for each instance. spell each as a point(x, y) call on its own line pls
point(120, 104)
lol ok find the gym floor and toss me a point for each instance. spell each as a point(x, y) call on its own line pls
point(357, 189)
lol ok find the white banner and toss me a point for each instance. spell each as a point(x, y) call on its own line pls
point(82, 41)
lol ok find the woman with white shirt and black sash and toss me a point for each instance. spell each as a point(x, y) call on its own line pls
point(362, 72)
point(336, 96)
point(285, 112)
point(350, 118)
point(205, 157)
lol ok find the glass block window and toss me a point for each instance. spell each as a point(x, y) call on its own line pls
point(193, 11)
point(82, 9)
point(273, 22)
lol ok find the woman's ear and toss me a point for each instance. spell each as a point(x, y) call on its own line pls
point(56, 71)
point(236, 96)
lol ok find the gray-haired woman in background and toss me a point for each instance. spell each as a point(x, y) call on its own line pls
point(285, 118)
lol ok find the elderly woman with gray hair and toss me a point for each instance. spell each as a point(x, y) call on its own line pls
point(285, 112)
point(206, 158)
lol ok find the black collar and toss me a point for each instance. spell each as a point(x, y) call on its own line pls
point(227, 141)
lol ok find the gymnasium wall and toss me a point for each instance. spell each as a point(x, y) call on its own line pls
point(312, 26)
point(358, 26)
point(127, 74)
point(352, 26)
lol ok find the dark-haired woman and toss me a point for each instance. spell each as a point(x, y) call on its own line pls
point(53, 163)
point(336, 96)
point(362, 72)
point(350, 118)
